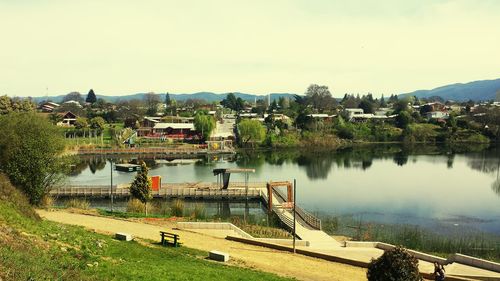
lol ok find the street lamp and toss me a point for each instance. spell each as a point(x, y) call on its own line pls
point(111, 185)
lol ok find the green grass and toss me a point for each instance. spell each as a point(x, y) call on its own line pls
point(33, 249)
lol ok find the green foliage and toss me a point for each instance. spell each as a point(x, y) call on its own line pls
point(8, 105)
point(97, 123)
point(30, 149)
point(81, 123)
point(177, 208)
point(394, 265)
point(77, 203)
point(199, 211)
point(232, 102)
point(204, 124)
point(403, 119)
point(320, 97)
point(34, 249)
point(91, 97)
point(251, 131)
point(141, 186)
point(283, 140)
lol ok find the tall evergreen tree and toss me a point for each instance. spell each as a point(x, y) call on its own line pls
point(141, 187)
point(91, 98)
point(168, 101)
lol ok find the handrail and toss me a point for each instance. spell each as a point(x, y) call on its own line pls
point(307, 217)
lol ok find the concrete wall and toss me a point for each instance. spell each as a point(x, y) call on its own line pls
point(459, 258)
point(213, 225)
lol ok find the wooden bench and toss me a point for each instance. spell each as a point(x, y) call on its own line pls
point(168, 238)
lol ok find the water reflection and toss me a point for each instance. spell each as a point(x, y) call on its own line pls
point(387, 183)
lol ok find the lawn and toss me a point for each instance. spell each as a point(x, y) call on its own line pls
point(33, 249)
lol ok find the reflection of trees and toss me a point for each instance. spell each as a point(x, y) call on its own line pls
point(250, 159)
point(485, 161)
point(495, 186)
point(97, 164)
point(401, 158)
point(449, 161)
point(317, 166)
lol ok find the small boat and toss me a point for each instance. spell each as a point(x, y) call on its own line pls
point(128, 167)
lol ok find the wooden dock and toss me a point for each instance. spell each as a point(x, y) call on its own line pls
point(205, 191)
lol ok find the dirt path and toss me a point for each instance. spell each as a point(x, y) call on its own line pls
point(281, 263)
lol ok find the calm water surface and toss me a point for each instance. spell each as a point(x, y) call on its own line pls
point(422, 185)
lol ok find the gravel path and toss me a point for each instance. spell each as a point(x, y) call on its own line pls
point(281, 263)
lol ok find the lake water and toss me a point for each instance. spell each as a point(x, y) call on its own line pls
point(422, 185)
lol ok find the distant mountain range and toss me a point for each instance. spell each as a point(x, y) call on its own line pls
point(208, 96)
point(484, 90)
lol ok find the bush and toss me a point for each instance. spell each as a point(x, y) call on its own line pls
point(78, 204)
point(199, 211)
point(177, 208)
point(394, 265)
point(135, 206)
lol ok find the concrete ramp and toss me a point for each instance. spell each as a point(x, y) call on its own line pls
point(318, 239)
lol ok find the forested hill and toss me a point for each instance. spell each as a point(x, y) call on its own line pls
point(483, 90)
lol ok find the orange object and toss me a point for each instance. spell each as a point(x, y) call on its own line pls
point(155, 183)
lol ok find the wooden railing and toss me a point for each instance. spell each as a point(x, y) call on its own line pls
point(307, 217)
point(102, 191)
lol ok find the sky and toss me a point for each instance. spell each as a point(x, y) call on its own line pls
point(259, 46)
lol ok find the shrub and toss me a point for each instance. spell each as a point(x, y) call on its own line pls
point(177, 208)
point(199, 211)
point(394, 265)
point(78, 204)
point(135, 206)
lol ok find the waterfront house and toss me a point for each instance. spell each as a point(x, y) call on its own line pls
point(68, 119)
point(174, 130)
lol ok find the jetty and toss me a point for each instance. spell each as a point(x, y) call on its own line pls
point(307, 224)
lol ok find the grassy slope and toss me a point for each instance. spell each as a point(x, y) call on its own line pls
point(43, 250)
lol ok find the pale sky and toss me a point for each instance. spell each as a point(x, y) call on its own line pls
point(124, 47)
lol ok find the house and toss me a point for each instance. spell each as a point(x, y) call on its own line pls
point(49, 106)
point(382, 111)
point(437, 115)
point(351, 112)
point(147, 126)
point(321, 116)
point(68, 119)
point(174, 130)
point(73, 102)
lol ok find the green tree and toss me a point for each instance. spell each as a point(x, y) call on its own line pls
point(400, 105)
point(73, 96)
point(30, 149)
point(366, 105)
point(81, 123)
point(232, 102)
point(251, 131)
point(5, 105)
point(394, 265)
point(320, 97)
point(403, 119)
point(151, 100)
point(91, 97)
point(168, 101)
point(204, 124)
point(55, 118)
point(141, 187)
point(97, 123)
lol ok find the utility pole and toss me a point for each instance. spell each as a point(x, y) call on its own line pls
point(294, 203)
